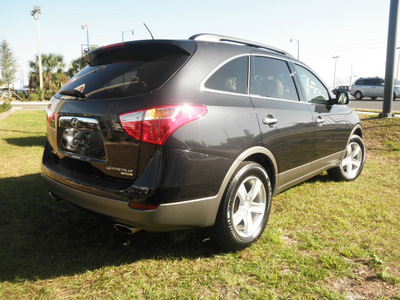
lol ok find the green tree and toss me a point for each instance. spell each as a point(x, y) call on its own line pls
point(54, 76)
point(75, 66)
point(8, 65)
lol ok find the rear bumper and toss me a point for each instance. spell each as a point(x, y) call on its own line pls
point(170, 216)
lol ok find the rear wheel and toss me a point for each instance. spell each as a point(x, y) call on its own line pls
point(352, 163)
point(244, 208)
point(358, 95)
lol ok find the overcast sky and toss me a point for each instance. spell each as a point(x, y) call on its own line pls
point(354, 30)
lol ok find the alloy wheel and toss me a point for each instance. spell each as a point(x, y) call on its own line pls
point(248, 207)
point(353, 160)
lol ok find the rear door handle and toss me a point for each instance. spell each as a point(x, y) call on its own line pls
point(320, 121)
point(270, 121)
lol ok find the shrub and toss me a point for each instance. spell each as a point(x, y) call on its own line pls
point(22, 96)
point(33, 97)
point(48, 94)
point(6, 106)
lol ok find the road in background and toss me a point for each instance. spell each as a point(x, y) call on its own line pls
point(369, 104)
point(42, 105)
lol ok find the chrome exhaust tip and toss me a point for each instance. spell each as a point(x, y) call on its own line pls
point(126, 229)
point(54, 196)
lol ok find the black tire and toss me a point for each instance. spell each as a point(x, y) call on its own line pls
point(358, 95)
point(352, 163)
point(240, 222)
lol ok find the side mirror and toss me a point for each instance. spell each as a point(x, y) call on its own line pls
point(342, 98)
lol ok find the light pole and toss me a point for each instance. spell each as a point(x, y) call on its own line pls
point(83, 27)
point(334, 72)
point(398, 59)
point(126, 31)
point(298, 47)
point(351, 75)
point(35, 14)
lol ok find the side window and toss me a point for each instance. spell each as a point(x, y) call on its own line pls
point(231, 77)
point(314, 89)
point(360, 82)
point(369, 82)
point(271, 78)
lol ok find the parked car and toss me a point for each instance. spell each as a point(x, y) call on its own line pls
point(372, 87)
point(170, 134)
point(341, 89)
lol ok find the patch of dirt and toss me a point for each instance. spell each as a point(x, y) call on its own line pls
point(364, 285)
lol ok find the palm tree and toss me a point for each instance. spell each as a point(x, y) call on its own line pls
point(53, 75)
point(76, 65)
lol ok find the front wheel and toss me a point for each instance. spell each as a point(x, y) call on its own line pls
point(352, 163)
point(244, 208)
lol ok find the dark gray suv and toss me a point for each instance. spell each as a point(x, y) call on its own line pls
point(171, 134)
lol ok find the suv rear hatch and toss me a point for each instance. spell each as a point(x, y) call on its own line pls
point(83, 128)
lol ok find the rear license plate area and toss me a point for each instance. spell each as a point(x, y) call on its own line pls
point(81, 138)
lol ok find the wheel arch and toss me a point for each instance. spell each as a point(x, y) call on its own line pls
point(258, 154)
point(267, 163)
point(357, 130)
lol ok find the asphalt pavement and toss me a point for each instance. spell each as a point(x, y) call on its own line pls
point(31, 105)
point(375, 105)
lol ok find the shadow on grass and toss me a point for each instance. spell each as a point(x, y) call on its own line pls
point(41, 239)
point(27, 141)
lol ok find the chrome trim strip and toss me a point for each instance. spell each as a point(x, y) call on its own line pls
point(82, 122)
point(277, 99)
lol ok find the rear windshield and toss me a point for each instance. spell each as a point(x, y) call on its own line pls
point(128, 69)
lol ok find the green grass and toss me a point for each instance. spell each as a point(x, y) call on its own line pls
point(324, 240)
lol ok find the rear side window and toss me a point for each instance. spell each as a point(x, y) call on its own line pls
point(369, 82)
point(272, 78)
point(128, 70)
point(377, 81)
point(231, 77)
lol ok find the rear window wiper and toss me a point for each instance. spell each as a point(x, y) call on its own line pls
point(73, 93)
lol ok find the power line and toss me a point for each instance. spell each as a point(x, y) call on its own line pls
point(350, 48)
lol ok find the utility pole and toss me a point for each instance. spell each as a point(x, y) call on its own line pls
point(334, 72)
point(83, 27)
point(398, 61)
point(390, 60)
point(126, 31)
point(35, 14)
point(298, 47)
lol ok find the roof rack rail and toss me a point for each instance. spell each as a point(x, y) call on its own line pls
point(209, 37)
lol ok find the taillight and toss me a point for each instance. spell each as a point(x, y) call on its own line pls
point(50, 116)
point(155, 125)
